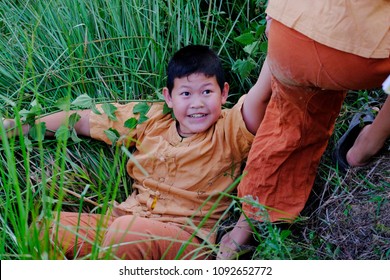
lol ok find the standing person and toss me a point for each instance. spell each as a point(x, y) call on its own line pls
point(189, 161)
point(318, 50)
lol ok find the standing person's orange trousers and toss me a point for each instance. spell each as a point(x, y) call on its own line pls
point(310, 82)
point(124, 237)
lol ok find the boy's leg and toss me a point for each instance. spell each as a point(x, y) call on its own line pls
point(137, 238)
point(75, 234)
point(309, 86)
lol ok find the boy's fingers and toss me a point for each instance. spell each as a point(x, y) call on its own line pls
point(7, 123)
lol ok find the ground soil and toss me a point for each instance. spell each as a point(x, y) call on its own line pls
point(350, 213)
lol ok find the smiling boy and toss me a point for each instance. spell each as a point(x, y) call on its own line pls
point(188, 161)
point(196, 102)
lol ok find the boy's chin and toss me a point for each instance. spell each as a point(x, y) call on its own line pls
point(193, 131)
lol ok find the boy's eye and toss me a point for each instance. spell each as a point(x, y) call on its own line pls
point(186, 93)
point(207, 91)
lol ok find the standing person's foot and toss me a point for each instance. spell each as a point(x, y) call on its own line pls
point(358, 122)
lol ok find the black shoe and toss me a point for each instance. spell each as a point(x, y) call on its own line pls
point(358, 121)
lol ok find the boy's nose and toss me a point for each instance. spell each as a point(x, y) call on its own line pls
point(197, 103)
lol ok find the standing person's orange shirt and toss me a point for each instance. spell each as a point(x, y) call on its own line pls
point(366, 22)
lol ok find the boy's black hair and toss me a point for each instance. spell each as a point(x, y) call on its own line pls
point(195, 59)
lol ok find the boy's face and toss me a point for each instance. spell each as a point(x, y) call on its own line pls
point(196, 101)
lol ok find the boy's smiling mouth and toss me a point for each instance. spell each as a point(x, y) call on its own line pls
point(197, 115)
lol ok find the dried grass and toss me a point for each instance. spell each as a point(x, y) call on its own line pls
point(351, 212)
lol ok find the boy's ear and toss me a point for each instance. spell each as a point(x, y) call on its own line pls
point(167, 97)
point(225, 93)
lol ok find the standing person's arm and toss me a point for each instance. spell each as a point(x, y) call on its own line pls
point(372, 138)
point(230, 243)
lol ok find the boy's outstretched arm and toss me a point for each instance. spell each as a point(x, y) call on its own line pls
point(53, 122)
point(257, 99)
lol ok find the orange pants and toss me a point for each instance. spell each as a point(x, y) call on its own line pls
point(125, 237)
point(309, 84)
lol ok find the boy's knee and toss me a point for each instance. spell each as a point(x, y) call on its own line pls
point(124, 228)
point(124, 239)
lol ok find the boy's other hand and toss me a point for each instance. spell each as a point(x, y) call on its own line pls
point(8, 123)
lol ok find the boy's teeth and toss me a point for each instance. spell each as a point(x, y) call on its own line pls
point(197, 115)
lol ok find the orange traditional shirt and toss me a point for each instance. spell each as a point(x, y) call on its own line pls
point(359, 27)
point(181, 179)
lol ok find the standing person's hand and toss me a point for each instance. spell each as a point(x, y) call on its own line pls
point(231, 242)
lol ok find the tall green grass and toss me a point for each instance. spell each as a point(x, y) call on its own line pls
point(110, 50)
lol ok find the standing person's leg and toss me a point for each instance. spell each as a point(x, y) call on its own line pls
point(137, 238)
point(309, 86)
point(284, 157)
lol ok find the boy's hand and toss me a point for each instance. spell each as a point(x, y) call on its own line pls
point(269, 20)
point(10, 129)
point(8, 123)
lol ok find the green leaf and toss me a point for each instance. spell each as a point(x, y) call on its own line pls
point(160, 96)
point(28, 116)
point(73, 135)
point(166, 109)
point(83, 101)
point(246, 38)
point(264, 47)
point(62, 133)
point(63, 104)
point(35, 105)
point(28, 144)
point(131, 123)
point(260, 30)
point(142, 119)
point(141, 108)
point(110, 109)
point(37, 131)
point(112, 134)
point(244, 67)
point(24, 113)
point(284, 234)
point(73, 119)
point(251, 48)
point(94, 109)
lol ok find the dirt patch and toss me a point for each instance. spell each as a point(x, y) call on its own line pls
point(352, 215)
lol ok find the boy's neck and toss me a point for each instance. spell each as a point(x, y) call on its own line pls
point(179, 132)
